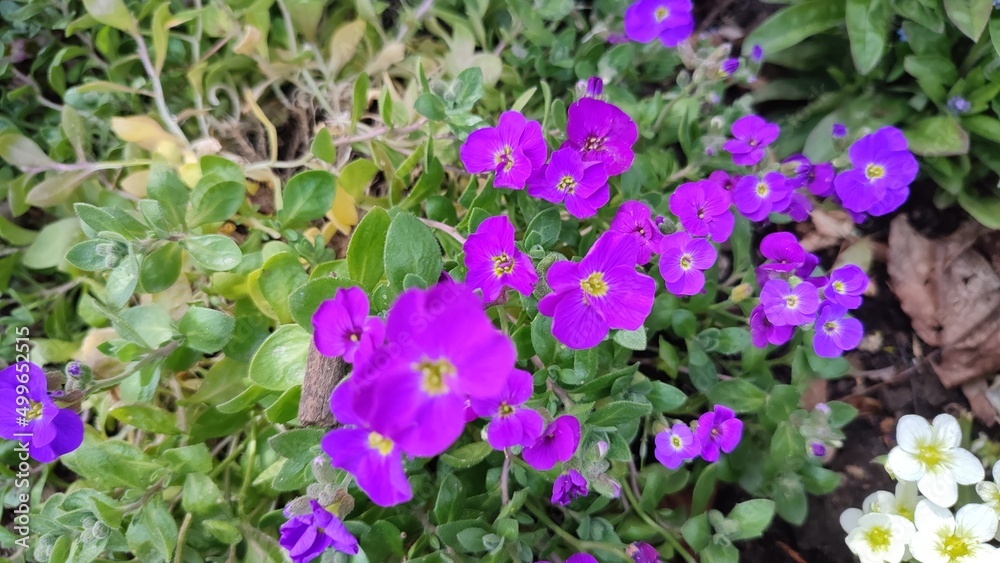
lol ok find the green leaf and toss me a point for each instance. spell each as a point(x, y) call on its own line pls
point(280, 362)
point(166, 188)
point(85, 257)
point(697, 532)
point(937, 136)
point(366, 250)
point(15, 235)
point(665, 397)
point(214, 252)
point(934, 73)
point(296, 442)
point(737, 394)
point(868, 29)
point(152, 534)
point(189, 459)
point(200, 493)
point(986, 210)
point(926, 14)
point(146, 417)
point(23, 153)
point(280, 275)
point(356, 177)
point(122, 282)
point(468, 455)
point(161, 268)
point(631, 339)
point(753, 517)
point(450, 500)
point(732, 340)
point(307, 196)
point(430, 106)
point(323, 148)
point(223, 531)
point(218, 203)
point(792, 25)
point(618, 412)
point(52, 243)
point(56, 188)
point(206, 330)
point(360, 99)
point(546, 225)
point(790, 500)
point(720, 553)
point(969, 16)
point(995, 34)
point(285, 407)
point(410, 248)
point(100, 220)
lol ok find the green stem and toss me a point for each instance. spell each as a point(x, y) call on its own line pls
point(248, 468)
point(139, 366)
point(574, 542)
point(181, 538)
point(663, 532)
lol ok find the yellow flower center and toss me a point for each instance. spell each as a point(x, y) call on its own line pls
point(954, 547)
point(929, 455)
point(686, 262)
point(878, 538)
point(905, 512)
point(874, 171)
point(505, 409)
point(661, 14)
point(433, 375)
point(676, 442)
point(566, 184)
point(35, 411)
point(595, 285)
point(763, 189)
point(830, 327)
point(792, 301)
point(379, 442)
point(838, 286)
point(506, 158)
point(355, 337)
point(502, 264)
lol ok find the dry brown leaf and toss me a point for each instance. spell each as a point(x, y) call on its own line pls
point(951, 292)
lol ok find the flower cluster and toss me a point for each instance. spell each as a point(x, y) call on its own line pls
point(306, 536)
point(893, 527)
point(716, 431)
point(29, 415)
point(792, 296)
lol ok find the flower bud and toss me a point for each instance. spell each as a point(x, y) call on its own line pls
point(595, 86)
point(741, 292)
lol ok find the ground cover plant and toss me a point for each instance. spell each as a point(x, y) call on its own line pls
point(450, 281)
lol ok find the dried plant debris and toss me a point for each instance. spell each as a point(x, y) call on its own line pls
point(950, 288)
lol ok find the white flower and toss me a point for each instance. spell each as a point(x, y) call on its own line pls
point(930, 456)
point(883, 502)
point(989, 491)
point(880, 538)
point(943, 538)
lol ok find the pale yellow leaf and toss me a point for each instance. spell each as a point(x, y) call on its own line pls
point(344, 43)
point(135, 183)
point(23, 153)
point(391, 54)
point(344, 213)
point(141, 130)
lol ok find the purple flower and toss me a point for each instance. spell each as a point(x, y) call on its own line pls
point(729, 66)
point(306, 536)
point(818, 449)
point(783, 252)
point(30, 416)
point(440, 347)
point(494, 262)
point(846, 285)
point(839, 131)
point(883, 169)
point(959, 105)
point(512, 425)
point(718, 430)
point(787, 305)
point(373, 459)
point(752, 134)
point(582, 558)
point(642, 552)
point(568, 486)
point(556, 445)
point(757, 54)
point(342, 327)
point(836, 332)
point(703, 209)
point(513, 150)
point(595, 86)
point(820, 181)
point(682, 263)
point(799, 207)
point(763, 331)
point(757, 197)
point(601, 292)
point(581, 186)
point(73, 369)
point(600, 131)
point(634, 220)
point(676, 445)
point(669, 20)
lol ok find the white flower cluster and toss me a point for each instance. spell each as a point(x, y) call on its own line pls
point(916, 523)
